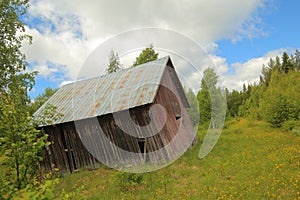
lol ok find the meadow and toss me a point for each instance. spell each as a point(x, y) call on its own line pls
point(250, 161)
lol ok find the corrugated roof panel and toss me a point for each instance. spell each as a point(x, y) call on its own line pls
point(111, 93)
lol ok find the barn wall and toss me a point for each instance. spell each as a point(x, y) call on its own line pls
point(83, 143)
point(66, 152)
point(99, 136)
point(178, 123)
point(74, 143)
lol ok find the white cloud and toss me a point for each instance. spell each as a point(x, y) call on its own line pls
point(62, 50)
point(249, 72)
point(44, 70)
point(220, 64)
point(65, 83)
point(66, 31)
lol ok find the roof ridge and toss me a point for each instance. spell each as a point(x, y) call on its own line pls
point(113, 73)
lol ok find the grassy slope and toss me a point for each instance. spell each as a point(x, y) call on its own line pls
point(250, 161)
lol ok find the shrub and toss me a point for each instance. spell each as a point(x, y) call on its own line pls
point(128, 181)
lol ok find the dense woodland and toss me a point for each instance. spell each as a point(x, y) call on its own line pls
point(275, 99)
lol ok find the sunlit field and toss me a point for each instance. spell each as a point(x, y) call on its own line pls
point(250, 161)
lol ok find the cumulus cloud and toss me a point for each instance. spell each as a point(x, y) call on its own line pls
point(65, 32)
point(249, 72)
point(44, 70)
point(208, 20)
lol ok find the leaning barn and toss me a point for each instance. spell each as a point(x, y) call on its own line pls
point(127, 118)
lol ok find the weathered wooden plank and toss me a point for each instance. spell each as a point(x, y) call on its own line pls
point(73, 142)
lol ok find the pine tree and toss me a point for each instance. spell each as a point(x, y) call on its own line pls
point(114, 63)
point(296, 60)
point(146, 55)
point(286, 65)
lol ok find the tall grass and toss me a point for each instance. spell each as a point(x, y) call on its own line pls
point(250, 161)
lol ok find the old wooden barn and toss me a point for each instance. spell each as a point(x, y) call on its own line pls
point(127, 118)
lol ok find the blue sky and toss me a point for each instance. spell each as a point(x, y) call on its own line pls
point(279, 21)
point(238, 36)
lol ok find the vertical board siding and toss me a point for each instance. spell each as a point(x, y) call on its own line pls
point(69, 156)
point(169, 95)
point(83, 143)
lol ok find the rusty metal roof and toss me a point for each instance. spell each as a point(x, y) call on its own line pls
point(121, 90)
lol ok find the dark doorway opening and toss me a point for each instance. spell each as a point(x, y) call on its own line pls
point(142, 144)
point(143, 148)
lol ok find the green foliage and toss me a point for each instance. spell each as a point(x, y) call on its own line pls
point(204, 99)
point(39, 191)
point(291, 125)
point(233, 102)
point(49, 114)
point(277, 111)
point(277, 98)
point(46, 190)
point(267, 71)
point(280, 104)
point(21, 146)
point(75, 194)
point(212, 103)
point(114, 63)
point(296, 60)
point(12, 35)
point(21, 143)
point(251, 106)
point(146, 55)
point(287, 64)
point(48, 117)
point(41, 99)
point(204, 106)
point(127, 181)
point(193, 109)
point(235, 99)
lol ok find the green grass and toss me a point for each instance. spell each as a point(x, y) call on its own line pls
point(2, 168)
point(250, 161)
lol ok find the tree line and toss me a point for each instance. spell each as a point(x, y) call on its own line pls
point(274, 99)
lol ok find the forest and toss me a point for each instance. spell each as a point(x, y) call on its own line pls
point(262, 121)
point(275, 99)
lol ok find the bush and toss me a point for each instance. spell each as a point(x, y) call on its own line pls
point(128, 181)
point(291, 125)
